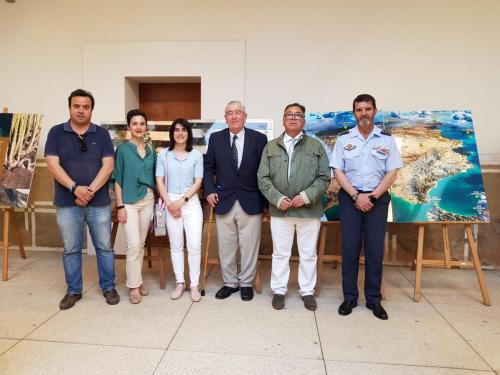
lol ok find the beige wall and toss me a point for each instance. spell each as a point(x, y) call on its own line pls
point(439, 54)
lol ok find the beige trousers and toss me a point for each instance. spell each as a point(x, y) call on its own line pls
point(238, 230)
point(136, 230)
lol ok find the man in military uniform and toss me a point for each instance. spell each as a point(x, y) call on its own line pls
point(365, 161)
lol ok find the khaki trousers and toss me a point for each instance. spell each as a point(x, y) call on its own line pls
point(238, 230)
point(136, 230)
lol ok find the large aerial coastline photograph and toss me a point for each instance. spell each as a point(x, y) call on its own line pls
point(441, 179)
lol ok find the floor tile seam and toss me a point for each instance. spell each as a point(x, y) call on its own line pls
point(454, 329)
point(320, 343)
point(25, 264)
point(209, 271)
point(53, 315)
point(410, 365)
point(244, 354)
point(458, 333)
point(173, 337)
point(94, 344)
point(9, 349)
point(30, 332)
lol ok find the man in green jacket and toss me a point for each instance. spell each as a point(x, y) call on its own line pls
point(293, 174)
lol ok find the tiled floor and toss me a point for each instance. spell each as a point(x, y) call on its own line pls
point(449, 332)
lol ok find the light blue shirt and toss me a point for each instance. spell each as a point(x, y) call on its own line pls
point(365, 162)
point(180, 172)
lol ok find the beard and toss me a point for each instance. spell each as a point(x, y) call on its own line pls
point(365, 122)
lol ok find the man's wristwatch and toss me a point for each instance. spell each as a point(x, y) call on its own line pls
point(355, 196)
point(73, 188)
point(373, 198)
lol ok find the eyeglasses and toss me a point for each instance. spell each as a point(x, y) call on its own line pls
point(293, 116)
point(83, 144)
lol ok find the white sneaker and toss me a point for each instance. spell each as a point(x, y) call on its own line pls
point(177, 293)
point(195, 294)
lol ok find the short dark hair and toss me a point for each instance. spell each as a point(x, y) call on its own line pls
point(364, 98)
point(136, 112)
point(186, 125)
point(81, 92)
point(296, 105)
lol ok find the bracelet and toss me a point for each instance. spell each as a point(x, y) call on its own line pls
point(120, 207)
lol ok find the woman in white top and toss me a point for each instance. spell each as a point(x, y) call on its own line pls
point(179, 171)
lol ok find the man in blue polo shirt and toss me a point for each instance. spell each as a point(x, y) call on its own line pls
point(80, 156)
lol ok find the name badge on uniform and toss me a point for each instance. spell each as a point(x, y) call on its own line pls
point(349, 147)
point(381, 150)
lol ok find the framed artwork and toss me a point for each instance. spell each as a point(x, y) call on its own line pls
point(19, 140)
point(441, 179)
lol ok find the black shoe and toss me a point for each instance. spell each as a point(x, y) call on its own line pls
point(278, 301)
point(246, 293)
point(310, 302)
point(378, 310)
point(225, 292)
point(69, 301)
point(112, 297)
point(347, 306)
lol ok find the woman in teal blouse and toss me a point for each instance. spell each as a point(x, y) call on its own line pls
point(134, 184)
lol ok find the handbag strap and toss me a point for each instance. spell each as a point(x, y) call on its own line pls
point(161, 204)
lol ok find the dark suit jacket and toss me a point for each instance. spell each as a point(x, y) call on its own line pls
point(230, 183)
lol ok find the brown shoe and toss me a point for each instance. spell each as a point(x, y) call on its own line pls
point(310, 302)
point(112, 297)
point(69, 301)
point(143, 290)
point(278, 301)
point(134, 296)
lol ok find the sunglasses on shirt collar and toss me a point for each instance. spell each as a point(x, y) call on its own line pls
point(83, 144)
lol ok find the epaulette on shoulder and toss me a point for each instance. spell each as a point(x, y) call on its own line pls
point(344, 132)
point(386, 132)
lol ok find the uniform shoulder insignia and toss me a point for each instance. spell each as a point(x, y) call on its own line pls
point(386, 132)
point(344, 132)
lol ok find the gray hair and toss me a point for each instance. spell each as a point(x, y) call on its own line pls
point(235, 102)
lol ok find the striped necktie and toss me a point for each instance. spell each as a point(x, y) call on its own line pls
point(235, 151)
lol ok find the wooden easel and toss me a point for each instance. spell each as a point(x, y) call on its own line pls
point(8, 216)
point(447, 262)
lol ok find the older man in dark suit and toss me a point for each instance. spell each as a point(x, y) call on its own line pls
point(230, 184)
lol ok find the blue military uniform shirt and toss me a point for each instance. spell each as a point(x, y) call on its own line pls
point(365, 161)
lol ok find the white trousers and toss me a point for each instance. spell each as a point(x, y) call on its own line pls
point(283, 230)
point(136, 230)
point(191, 222)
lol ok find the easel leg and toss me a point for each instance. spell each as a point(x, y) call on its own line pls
point(418, 264)
point(207, 247)
point(256, 282)
point(321, 257)
point(446, 240)
point(477, 264)
point(18, 234)
point(6, 219)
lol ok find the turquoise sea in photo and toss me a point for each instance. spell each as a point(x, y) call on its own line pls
point(457, 197)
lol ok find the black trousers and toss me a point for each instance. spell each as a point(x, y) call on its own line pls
point(368, 229)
